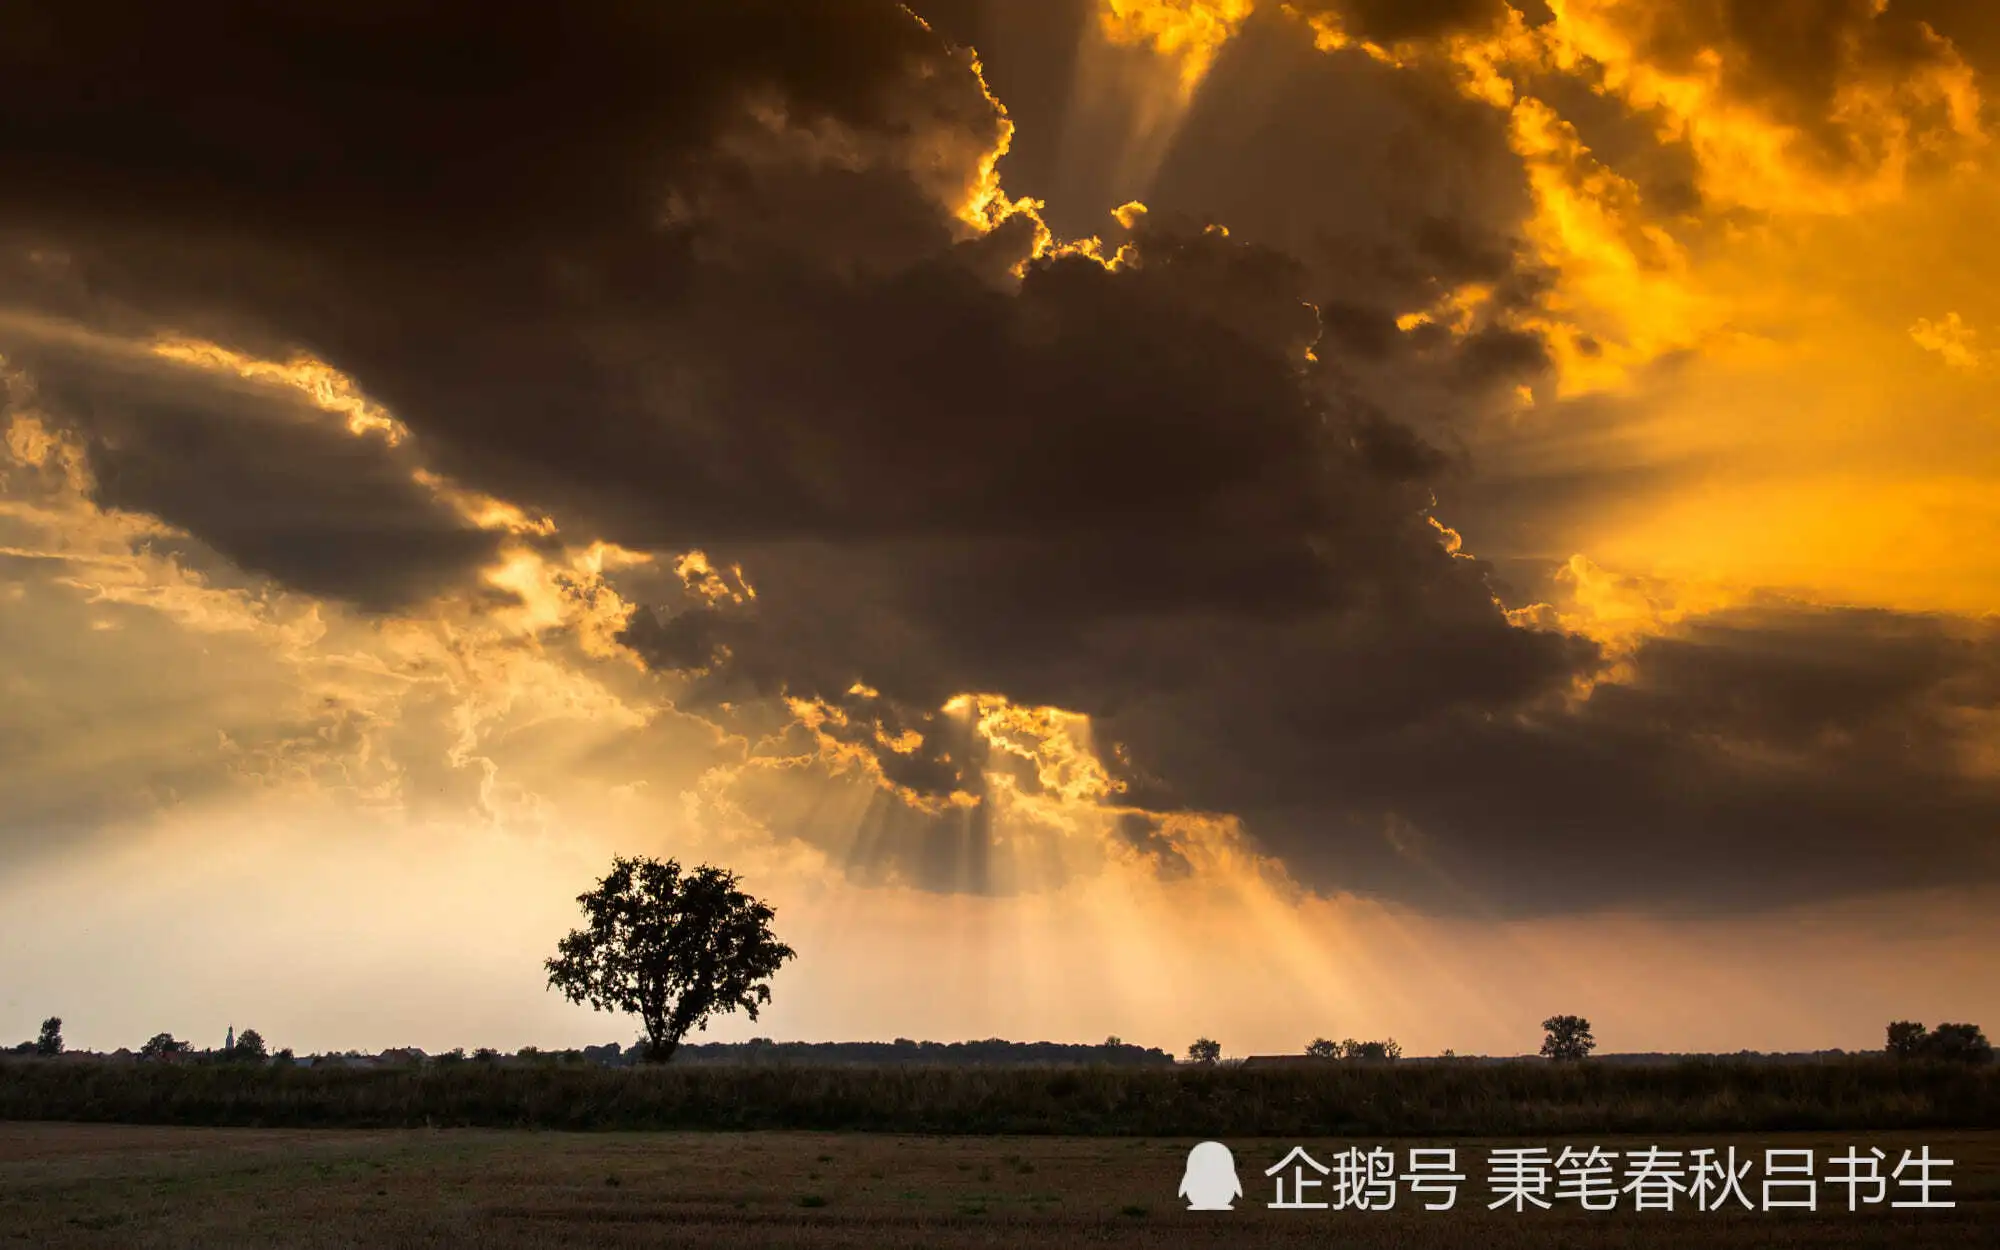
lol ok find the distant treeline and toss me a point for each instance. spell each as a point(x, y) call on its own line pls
point(992, 1051)
point(1434, 1099)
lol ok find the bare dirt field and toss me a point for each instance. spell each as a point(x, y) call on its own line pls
point(76, 1185)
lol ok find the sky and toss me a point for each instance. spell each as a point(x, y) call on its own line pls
point(1150, 518)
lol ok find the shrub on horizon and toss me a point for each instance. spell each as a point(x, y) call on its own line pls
point(1568, 1039)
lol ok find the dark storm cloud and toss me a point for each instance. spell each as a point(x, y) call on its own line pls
point(261, 476)
point(455, 123)
point(426, 192)
point(687, 276)
point(1390, 186)
point(1761, 758)
point(1029, 49)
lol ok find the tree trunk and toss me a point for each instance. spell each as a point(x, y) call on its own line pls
point(661, 1050)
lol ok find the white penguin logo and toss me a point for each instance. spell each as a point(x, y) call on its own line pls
point(1210, 1182)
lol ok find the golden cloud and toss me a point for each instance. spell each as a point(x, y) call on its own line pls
point(1631, 283)
point(1952, 340)
point(1189, 32)
point(328, 388)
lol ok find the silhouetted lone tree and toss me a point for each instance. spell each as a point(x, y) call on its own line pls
point(50, 1043)
point(249, 1047)
point(1204, 1050)
point(1568, 1038)
point(673, 948)
point(1323, 1048)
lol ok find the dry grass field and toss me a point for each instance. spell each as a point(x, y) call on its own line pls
point(1518, 1099)
point(80, 1185)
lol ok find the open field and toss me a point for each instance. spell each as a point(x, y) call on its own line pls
point(1352, 1099)
point(70, 1185)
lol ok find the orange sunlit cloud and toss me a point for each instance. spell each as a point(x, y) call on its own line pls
point(1793, 292)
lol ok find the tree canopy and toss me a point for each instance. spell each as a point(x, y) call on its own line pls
point(1959, 1043)
point(674, 948)
point(1568, 1038)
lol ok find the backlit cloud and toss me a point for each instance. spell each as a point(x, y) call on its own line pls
point(716, 440)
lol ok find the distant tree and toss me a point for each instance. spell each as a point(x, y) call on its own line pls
point(1958, 1043)
point(249, 1047)
point(1114, 1040)
point(673, 948)
point(1205, 1050)
point(1383, 1050)
point(285, 1058)
point(161, 1045)
point(1447, 1053)
point(486, 1054)
point(1568, 1038)
point(453, 1056)
point(50, 1043)
point(1321, 1048)
point(1906, 1039)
